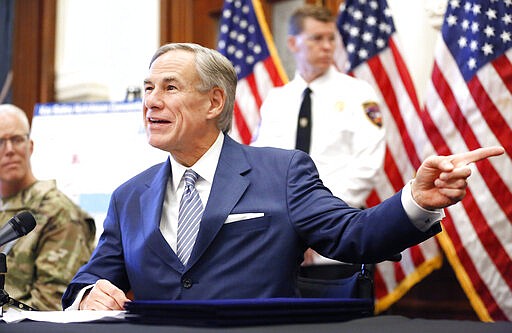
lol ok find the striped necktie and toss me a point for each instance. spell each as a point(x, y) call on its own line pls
point(189, 216)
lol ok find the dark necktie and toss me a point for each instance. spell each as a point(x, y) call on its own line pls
point(303, 139)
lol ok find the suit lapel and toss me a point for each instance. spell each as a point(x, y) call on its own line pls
point(151, 202)
point(227, 188)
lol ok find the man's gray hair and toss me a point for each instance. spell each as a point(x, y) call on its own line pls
point(214, 70)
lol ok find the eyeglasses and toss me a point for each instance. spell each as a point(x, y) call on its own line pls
point(16, 141)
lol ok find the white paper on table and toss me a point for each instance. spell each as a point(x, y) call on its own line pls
point(73, 316)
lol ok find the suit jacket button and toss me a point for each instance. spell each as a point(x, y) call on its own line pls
point(186, 283)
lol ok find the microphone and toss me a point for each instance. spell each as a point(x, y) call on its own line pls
point(19, 225)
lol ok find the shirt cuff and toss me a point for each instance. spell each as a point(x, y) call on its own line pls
point(76, 303)
point(422, 218)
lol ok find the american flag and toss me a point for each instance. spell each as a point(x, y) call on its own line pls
point(469, 105)
point(370, 51)
point(246, 40)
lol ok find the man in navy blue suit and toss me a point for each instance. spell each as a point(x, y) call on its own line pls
point(259, 208)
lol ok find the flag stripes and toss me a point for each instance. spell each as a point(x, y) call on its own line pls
point(385, 69)
point(468, 105)
point(246, 41)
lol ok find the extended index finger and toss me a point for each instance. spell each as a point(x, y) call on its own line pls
point(476, 155)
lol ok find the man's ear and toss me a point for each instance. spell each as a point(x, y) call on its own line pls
point(31, 146)
point(291, 42)
point(217, 101)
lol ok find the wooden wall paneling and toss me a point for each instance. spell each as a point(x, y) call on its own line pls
point(194, 21)
point(207, 15)
point(190, 21)
point(333, 5)
point(176, 21)
point(33, 62)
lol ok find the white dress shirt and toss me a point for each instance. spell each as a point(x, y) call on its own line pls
point(205, 167)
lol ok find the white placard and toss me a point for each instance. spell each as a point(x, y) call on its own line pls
point(90, 149)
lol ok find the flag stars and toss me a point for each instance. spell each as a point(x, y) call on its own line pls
point(227, 14)
point(505, 37)
point(452, 20)
point(475, 27)
point(354, 31)
point(507, 19)
point(367, 24)
point(463, 42)
point(491, 14)
point(487, 49)
point(489, 31)
point(367, 37)
point(241, 38)
point(358, 15)
point(476, 9)
point(385, 28)
point(387, 12)
point(473, 45)
point(455, 3)
point(477, 31)
point(371, 21)
point(472, 63)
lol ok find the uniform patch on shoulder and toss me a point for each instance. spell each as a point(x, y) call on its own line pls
point(372, 110)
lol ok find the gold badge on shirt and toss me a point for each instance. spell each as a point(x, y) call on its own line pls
point(340, 105)
point(373, 112)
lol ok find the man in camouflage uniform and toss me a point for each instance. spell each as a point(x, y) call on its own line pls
point(42, 263)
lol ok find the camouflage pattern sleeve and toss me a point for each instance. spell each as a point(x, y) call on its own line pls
point(47, 260)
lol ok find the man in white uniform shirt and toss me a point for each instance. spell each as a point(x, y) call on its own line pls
point(347, 136)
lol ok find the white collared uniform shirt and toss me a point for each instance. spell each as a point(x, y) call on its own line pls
point(346, 145)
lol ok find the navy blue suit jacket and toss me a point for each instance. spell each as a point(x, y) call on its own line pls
point(254, 258)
